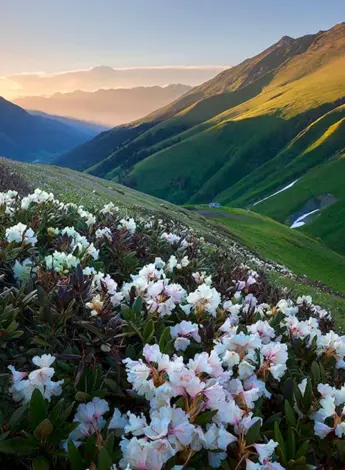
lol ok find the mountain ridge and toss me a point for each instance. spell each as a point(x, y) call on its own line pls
point(108, 107)
point(206, 145)
point(26, 137)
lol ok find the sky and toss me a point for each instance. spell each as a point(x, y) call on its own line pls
point(59, 35)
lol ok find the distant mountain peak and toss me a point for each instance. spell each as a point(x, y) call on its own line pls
point(286, 40)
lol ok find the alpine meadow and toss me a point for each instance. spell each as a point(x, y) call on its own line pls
point(172, 289)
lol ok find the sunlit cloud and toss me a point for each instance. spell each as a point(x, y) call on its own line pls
point(98, 77)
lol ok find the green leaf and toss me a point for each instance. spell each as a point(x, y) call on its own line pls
point(302, 450)
point(289, 414)
point(112, 385)
point(40, 464)
point(165, 340)
point(37, 409)
point(75, 459)
point(298, 394)
point(82, 396)
point(137, 305)
point(43, 430)
point(288, 389)
point(4, 435)
point(149, 331)
point(89, 448)
point(104, 461)
point(253, 433)
point(271, 420)
point(205, 418)
point(65, 414)
point(281, 451)
point(109, 443)
point(316, 373)
point(56, 411)
point(17, 417)
point(18, 446)
point(136, 329)
point(308, 395)
point(290, 444)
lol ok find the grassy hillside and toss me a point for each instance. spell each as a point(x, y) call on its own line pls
point(322, 184)
point(253, 233)
point(271, 240)
point(242, 136)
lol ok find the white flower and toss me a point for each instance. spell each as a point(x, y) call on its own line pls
point(118, 421)
point(204, 299)
point(287, 307)
point(265, 451)
point(263, 329)
point(135, 425)
point(202, 278)
point(218, 438)
point(174, 239)
point(182, 331)
point(109, 209)
point(20, 233)
point(275, 355)
point(22, 271)
point(38, 379)
point(95, 305)
point(61, 262)
point(129, 224)
point(90, 418)
point(331, 344)
point(38, 197)
point(321, 429)
point(102, 233)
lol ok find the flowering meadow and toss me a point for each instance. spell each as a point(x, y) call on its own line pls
point(133, 343)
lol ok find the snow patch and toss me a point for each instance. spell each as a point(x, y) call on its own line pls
point(299, 222)
point(274, 194)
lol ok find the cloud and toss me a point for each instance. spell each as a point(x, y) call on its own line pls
point(94, 78)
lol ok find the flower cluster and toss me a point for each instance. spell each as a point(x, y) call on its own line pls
point(177, 355)
point(41, 379)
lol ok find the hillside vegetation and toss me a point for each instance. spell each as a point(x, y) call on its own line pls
point(253, 236)
point(274, 241)
point(130, 341)
point(241, 136)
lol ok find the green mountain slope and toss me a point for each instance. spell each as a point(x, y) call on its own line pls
point(240, 137)
point(321, 188)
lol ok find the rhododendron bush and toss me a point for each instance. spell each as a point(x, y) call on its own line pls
point(130, 342)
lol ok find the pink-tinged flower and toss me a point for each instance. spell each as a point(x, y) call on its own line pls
point(215, 396)
point(230, 413)
point(263, 329)
point(180, 428)
point(275, 355)
point(244, 398)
